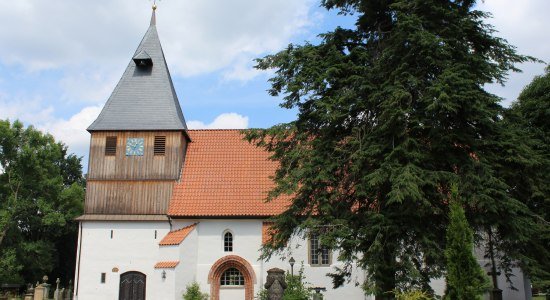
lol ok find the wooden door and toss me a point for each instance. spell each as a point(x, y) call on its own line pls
point(132, 286)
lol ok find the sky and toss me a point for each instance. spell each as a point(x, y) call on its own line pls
point(60, 59)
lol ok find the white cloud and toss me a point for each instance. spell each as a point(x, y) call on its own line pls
point(199, 36)
point(73, 132)
point(26, 108)
point(525, 25)
point(223, 121)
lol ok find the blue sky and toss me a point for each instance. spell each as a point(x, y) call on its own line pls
point(59, 59)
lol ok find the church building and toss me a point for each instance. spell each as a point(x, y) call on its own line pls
point(167, 206)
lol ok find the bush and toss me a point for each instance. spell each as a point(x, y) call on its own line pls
point(193, 292)
point(412, 295)
point(296, 287)
point(262, 294)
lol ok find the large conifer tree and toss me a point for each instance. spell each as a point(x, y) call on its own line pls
point(528, 128)
point(389, 114)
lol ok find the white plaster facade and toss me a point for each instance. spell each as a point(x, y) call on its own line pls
point(133, 247)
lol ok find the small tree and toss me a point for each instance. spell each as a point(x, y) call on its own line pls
point(296, 288)
point(193, 292)
point(465, 278)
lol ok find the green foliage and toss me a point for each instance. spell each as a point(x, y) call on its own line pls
point(390, 113)
point(41, 192)
point(262, 294)
point(465, 278)
point(412, 295)
point(296, 288)
point(10, 267)
point(527, 172)
point(193, 292)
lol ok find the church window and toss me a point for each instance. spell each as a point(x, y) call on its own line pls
point(103, 275)
point(110, 145)
point(318, 255)
point(111, 234)
point(228, 242)
point(232, 277)
point(160, 145)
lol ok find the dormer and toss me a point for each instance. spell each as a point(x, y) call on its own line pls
point(142, 59)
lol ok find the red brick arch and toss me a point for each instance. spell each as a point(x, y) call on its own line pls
point(231, 261)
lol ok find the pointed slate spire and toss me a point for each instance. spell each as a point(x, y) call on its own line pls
point(144, 98)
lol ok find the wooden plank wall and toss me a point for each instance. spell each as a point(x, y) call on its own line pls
point(146, 167)
point(128, 197)
point(137, 185)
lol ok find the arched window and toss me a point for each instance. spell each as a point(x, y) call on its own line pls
point(228, 242)
point(232, 277)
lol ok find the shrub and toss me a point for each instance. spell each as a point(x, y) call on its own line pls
point(412, 295)
point(193, 292)
point(296, 286)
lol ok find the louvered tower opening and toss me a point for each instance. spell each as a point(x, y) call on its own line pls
point(160, 145)
point(110, 145)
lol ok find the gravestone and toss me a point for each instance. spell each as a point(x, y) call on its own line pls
point(275, 284)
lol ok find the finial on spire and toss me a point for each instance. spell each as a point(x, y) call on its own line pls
point(153, 16)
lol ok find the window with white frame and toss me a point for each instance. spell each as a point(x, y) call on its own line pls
point(318, 255)
point(228, 242)
point(232, 277)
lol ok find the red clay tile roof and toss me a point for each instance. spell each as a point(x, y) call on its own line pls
point(266, 232)
point(177, 236)
point(224, 175)
point(167, 264)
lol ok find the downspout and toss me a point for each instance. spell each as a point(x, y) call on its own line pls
point(79, 255)
point(169, 222)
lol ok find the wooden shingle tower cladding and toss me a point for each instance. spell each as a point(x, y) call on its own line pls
point(138, 141)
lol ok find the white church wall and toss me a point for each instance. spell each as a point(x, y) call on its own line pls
point(316, 276)
point(247, 239)
point(170, 252)
point(185, 271)
point(133, 247)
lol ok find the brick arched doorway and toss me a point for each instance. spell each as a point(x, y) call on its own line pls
point(228, 262)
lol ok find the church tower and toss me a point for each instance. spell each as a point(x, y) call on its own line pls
point(138, 141)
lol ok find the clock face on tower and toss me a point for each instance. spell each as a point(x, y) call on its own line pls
point(134, 147)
